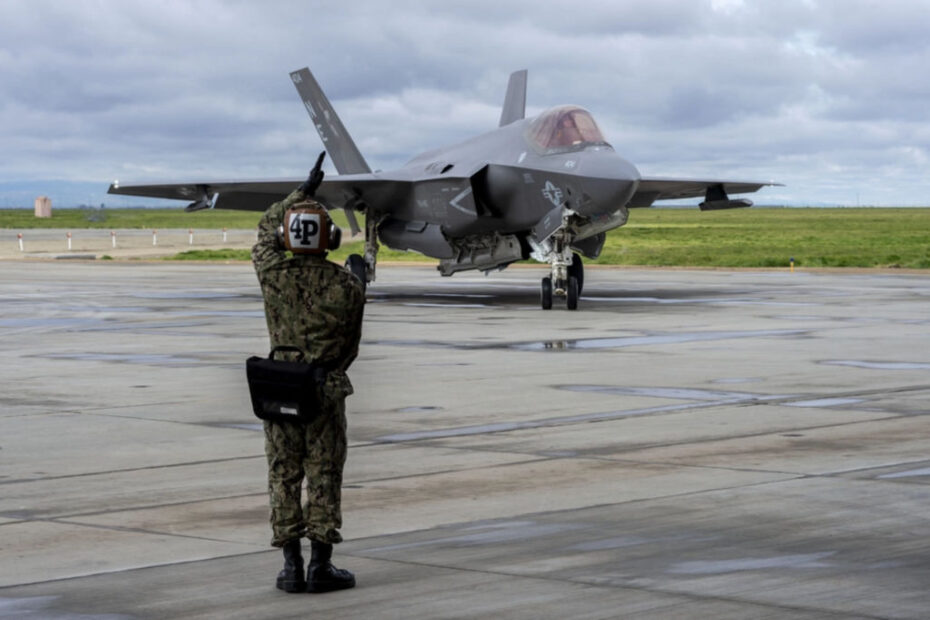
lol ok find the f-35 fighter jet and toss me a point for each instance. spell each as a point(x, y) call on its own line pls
point(547, 188)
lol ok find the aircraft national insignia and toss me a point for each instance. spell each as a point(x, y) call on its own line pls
point(552, 193)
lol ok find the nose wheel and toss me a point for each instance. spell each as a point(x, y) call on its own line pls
point(569, 286)
point(576, 270)
point(574, 289)
point(546, 294)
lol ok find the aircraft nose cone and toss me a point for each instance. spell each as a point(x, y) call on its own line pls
point(608, 182)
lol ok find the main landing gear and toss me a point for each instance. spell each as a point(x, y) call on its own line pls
point(363, 267)
point(356, 266)
point(567, 280)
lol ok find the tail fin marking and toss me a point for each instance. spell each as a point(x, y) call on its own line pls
point(340, 146)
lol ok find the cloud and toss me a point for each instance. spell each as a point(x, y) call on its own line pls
point(826, 96)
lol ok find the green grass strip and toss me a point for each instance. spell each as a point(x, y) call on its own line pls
point(878, 237)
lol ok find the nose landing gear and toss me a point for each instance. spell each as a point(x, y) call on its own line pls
point(567, 280)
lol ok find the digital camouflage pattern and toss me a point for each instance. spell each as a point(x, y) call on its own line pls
point(317, 452)
point(316, 305)
point(310, 302)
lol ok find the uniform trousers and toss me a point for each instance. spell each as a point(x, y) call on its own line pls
point(315, 452)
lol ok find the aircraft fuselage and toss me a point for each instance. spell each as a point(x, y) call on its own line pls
point(462, 191)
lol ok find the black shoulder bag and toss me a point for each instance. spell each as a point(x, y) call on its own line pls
point(285, 391)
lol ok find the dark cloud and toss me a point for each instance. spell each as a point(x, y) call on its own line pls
point(827, 96)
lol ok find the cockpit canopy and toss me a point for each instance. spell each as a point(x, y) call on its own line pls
point(562, 129)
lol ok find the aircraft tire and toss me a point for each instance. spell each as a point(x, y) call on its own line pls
point(576, 269)
point(356, 266)
point(573, 292)
point(546, 294)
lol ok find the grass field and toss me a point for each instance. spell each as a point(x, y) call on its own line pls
point(757, 237)
point(771, 237)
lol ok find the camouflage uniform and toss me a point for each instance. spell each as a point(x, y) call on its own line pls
point(316, 305)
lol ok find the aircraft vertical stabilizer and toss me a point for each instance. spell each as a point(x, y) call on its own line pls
point(340, 146)
point(515, 101)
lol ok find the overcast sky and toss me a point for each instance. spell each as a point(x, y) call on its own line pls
point(830, 98)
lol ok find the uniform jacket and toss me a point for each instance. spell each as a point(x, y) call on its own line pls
point(310, 302)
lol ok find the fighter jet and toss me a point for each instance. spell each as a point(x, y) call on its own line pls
point(547, 188)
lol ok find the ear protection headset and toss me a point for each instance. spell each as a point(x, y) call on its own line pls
point(308, 229)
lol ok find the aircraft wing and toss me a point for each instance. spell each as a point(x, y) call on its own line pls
point(652, 189)
point(351, 191)
point(243, 195)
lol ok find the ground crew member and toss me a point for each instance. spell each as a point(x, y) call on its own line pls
point(315, 305)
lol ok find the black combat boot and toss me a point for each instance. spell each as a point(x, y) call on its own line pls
point(291, 577)
point(322, 576)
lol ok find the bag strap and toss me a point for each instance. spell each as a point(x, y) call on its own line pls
point(286, 348)
point(322, 368)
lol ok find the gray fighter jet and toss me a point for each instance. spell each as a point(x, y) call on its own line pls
point(547, 188)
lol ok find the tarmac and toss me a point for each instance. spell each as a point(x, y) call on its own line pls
point(687, 444)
